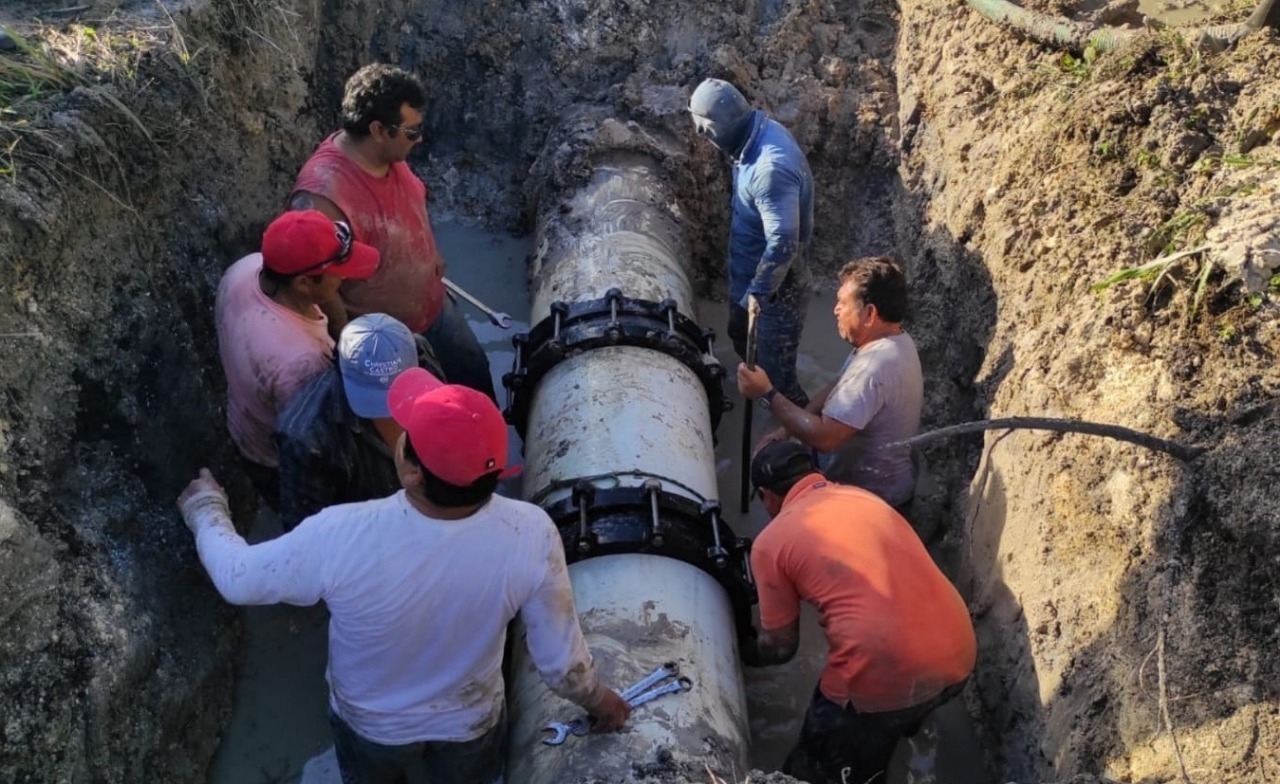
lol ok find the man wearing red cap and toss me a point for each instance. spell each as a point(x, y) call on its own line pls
point(272, 335)
point(421, 586)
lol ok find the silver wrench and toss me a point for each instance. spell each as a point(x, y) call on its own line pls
point(636, 691)
point(578, 726)
point(678, 685)
point(668, 670)
point(499, 319)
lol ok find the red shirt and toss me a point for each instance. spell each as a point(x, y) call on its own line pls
point(389, 213)
point(898, 631)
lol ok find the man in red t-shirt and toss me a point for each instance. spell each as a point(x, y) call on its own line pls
point(359, 175)
point(900, 638)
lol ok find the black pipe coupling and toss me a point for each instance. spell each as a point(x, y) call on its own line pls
point(596, 521)
point(613, 320)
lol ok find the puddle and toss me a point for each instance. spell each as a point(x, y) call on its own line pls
point(279, 720)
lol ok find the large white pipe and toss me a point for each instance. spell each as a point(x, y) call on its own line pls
point(680, 614)
point(621, 417)
point(619, 414)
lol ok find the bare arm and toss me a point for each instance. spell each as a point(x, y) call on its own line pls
point(305, 200)
point(813, 430)
point(807, 425)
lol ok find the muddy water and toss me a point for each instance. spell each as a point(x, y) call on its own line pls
point(279, 721)
point(1183, 13)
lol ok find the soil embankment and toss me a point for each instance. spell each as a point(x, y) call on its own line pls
point(1128, 605)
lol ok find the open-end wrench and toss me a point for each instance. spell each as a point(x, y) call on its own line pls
point(578, 726)
point(679, 684)
point(668, 670)
point(499, 319)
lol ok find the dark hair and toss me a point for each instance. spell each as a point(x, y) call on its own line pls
point(779, 465)
point(441, 493)
point(376, 92)
point(878, 280)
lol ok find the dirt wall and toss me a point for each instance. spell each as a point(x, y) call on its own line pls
point(1107, 583)
point(1125, 601)
point(130, 191)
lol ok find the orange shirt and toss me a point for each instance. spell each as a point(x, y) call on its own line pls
point(898, 631)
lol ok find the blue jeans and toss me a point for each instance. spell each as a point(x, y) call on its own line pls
point(778, 330)
point(461, 356)
point(478, 761)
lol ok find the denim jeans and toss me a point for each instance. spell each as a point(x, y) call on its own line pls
point(839, 745)
point(778, 330)
point(478, 761)
point(461, 356)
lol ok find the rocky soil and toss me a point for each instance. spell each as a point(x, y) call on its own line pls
point(1128, 605)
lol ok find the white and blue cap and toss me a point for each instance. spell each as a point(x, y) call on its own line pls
point(372, 350)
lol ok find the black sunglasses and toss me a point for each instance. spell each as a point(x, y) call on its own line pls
point(345, 238)
point(412, 134)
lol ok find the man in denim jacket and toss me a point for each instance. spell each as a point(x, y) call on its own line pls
point(772, 223)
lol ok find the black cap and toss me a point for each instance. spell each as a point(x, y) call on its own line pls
point(779, 463)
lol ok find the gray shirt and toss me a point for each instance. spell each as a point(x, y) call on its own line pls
point(880, 392)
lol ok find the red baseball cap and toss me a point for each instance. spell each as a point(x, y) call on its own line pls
point(458, 433)
point(307, 242)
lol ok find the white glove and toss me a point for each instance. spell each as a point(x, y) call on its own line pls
point(204, 503)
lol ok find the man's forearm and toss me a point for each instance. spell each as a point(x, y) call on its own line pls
point(767, 648)
point(800, 423)
point(819, 399)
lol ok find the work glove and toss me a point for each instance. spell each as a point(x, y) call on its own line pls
point(204, 503)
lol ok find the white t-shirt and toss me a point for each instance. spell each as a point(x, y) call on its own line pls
point(419, 608)
point(268, 353)
point(880, 393)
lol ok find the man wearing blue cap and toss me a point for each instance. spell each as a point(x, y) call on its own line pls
point(771, 222)
point(336, 437)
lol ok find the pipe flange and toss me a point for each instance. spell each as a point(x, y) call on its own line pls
point(596, 521)
point(612, 320)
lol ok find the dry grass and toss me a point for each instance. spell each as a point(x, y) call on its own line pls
point(106, 56)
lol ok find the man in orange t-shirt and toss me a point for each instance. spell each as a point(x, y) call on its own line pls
point(900, 638)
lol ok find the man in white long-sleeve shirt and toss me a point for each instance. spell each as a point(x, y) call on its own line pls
point(420, 587)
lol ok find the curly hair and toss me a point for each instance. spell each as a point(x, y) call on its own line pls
point(376, 92)
point(878, 280)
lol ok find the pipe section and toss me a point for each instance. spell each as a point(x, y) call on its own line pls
point(616, 392)
point(639, 611)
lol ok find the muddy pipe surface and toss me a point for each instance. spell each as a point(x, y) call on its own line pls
point(613, 419)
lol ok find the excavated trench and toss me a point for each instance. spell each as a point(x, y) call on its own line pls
point(1128, 605)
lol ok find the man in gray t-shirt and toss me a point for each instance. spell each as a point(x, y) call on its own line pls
point(877, 398)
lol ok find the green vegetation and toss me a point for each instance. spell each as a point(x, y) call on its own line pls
point(48, 61)
point(29, 72)
point(1166, 269)
point(1078, 69)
